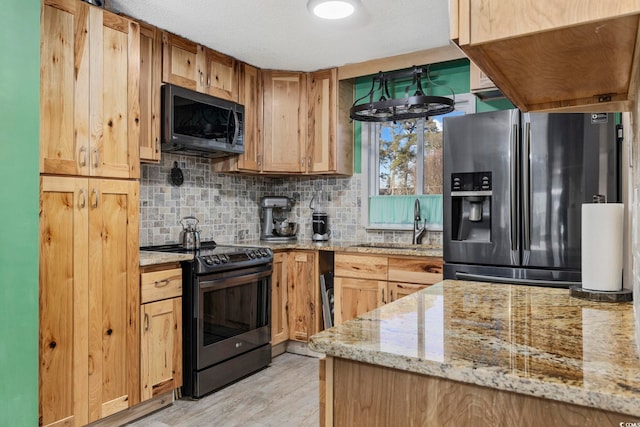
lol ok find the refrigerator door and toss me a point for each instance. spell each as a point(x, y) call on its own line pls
point(481, 227)
point(566, 159)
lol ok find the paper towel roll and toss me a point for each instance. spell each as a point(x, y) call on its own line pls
point(602, 236)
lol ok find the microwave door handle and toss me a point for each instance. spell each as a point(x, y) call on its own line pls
point(236, 128)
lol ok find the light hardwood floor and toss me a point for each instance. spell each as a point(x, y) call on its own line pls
point(283, 394)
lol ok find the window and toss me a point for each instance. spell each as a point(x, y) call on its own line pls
point(405, 163)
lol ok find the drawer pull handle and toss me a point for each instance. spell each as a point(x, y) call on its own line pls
point(383, 301)
point(83, 156)
point(391, 297)
point(146, 321)
point(82, 202)
point(161, 283)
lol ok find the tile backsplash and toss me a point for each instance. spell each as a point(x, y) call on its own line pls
point(228, 205)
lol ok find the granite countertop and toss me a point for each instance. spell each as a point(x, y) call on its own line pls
point(151, 258)
point(367, 248)
point(531, 340)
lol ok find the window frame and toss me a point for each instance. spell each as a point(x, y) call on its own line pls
point(465, 102)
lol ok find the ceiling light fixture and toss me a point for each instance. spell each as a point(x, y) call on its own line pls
point(387, 109)
point(332, 9)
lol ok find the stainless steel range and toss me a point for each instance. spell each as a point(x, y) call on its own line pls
point(226, 311)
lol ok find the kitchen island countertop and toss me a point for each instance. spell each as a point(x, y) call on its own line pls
point(525, 339)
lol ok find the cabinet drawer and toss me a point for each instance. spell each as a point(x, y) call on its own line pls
point(360, 266)
point(162, 284)
point(423, 270)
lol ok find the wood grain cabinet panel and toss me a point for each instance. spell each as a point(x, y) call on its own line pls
point(354, 297)
point(89, 298)
point(160, 330)
point(285, 122)
point(303, 294)
point(424, 270)
point(221, 74)
point(361, 266)
point(279, 299)
point(150, 91)
point(545, 55)
point(179, 62)
point(89, 91)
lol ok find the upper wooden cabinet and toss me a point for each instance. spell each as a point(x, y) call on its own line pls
point(196, 67)
point(302, 124)
point(179, 62)
point(330, 133)
point(285, 121)
point(220, 74)
point(575, 55)
point(150, 81)
point(89, 105)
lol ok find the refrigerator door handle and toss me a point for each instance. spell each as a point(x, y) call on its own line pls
point(514, 191)
point(526, 196)
point(513, 281)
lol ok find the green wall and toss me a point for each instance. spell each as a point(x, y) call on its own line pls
point(19, 121)
point(447, 76)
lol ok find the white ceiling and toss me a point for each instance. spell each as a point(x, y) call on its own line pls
point(284, 35)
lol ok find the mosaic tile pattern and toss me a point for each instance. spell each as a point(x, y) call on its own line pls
point(228, 205)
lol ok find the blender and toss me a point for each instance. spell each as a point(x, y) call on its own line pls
point(319, 218)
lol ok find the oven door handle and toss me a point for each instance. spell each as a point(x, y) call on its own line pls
point(206, 284)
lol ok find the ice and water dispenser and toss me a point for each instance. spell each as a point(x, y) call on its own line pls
point(471, 195)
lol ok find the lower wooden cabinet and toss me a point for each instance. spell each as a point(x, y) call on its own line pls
point(365, 282)
point(89, 299)
point(279, 300)
point(160, 330)
point(304, 295)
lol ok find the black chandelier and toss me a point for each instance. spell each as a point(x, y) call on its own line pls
point(387, 109)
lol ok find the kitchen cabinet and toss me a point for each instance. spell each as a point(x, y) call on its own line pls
point(330, 133)
point(365, 282)
point(285, 122)
point(577, 55)
point(150, 91)
point(279, 299)
point(89, 299)
point(196, 67)
point(220, 74)
point(179, 62)
point(161, 330)
point(303, 294)
point(89, 105)
point(277, 101)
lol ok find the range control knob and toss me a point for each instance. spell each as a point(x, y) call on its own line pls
point(264, 252)
point(251, 254)
point(208, 260)
point(224, 258)
point(216, 259)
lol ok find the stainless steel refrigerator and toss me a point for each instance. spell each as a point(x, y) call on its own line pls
point(514, 185)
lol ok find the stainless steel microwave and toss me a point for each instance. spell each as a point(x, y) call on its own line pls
point(198, 124)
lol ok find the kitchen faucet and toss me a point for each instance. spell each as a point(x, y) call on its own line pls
point(418, 232)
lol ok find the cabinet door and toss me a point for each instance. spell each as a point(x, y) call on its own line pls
point(64, 297)
point(114, 95)
point(321, 142)
point(161, 347)
point(179, 63)
point(422, 270)
point(64, 88)
point(251, 98)
point(304, 295)
point(279, 301)
point(285, 128)
point(221, 75)
point(150, 70)
point(114, 300)
point(399, 290)
point(354, 297)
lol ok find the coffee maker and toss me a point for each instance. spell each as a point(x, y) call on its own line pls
point(319, 218)
point(274, 223)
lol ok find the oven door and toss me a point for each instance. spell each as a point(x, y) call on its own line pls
point(233, 314)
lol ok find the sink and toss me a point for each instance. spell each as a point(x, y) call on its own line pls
point(400, 246)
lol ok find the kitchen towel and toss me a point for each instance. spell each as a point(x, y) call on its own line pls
point(602, 236)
